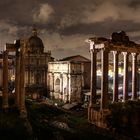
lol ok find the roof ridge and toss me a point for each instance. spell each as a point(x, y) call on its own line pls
point(74, 56)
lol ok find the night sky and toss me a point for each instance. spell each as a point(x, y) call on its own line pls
point(64, 25)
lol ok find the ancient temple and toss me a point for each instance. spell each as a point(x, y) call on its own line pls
point(119, 44)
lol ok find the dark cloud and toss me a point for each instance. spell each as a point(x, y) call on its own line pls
point(67, 23)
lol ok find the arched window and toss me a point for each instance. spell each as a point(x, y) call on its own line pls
point(57, 85)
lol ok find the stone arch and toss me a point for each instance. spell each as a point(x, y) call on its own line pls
point(57, 85)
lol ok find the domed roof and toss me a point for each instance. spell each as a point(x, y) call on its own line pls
point(35, 44)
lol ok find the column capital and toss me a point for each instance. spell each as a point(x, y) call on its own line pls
point(115, 52)
point(125, 53)
point(134, 54)
point(92, 46)
point(107, 50)
point(5, 51)
point(93, 51)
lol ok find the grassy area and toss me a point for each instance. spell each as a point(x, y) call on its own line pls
point(12, 127)
point(42, 115)
point(125, 117)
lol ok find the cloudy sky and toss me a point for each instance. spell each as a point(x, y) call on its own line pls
point(64, 25)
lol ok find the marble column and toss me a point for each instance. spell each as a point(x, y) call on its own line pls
point(17, 79)
point(67, 94)
point(52, 86)
point(115, 77)
point(22, 80)
point(125, 77)
point(61, 86)
point(92, 101)
point(52, 82)
point(104, 80)
point(46, 71)
point(93, 78)
point(5, 81)
point(134, 76)
point(45, 77)
point(69, 89)
point(29, 69)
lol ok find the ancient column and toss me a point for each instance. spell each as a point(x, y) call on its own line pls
point(52, 82)
point(83, 78)
point(46, 77)
point(52, 86)
point(67, 88)
point(17, 79)
point(5, 81)
point(93, 78)
point(22, 80)
point(46, 71)
point(92, 101)
point(29, 69)
point(69, 81)
point(61, 86)
point(104, 79)
point(134, 76)
point(48, 81)
point(115, 77)
point(125, 77)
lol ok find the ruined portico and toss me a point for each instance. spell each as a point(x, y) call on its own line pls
point(19, 48)
point(31, 67)
point(118, 44)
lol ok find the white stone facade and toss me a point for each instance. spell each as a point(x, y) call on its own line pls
point(65, 80)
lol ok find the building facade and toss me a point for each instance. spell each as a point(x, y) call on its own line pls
point(86, 68)
point(36, 66)
point(65, 80)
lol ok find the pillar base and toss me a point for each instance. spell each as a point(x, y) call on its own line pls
point(26, 122)
point(23, 113)
point(5, 108)
point(91, 107)
point(99, 117)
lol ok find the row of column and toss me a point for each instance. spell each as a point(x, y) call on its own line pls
point(104, 77)
point(19, 81)
point(125, 76)
point(5, 104)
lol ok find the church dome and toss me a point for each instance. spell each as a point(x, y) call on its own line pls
point(35, 44)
